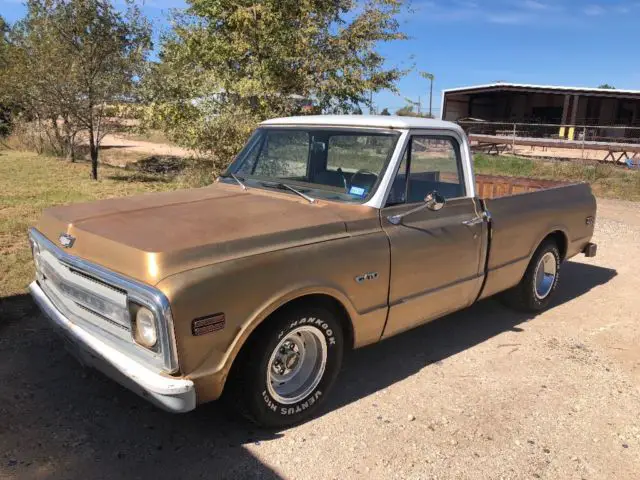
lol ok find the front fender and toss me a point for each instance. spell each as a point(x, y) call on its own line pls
point(249, 289)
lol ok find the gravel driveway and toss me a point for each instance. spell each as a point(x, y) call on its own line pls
point(485, 393)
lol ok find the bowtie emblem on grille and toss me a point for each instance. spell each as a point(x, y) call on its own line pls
point(67, 240)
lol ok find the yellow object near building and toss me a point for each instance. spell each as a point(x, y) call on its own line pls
point(572, 132)
point(561, 134)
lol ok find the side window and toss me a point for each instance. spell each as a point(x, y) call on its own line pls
point(283, 154)
point(434, 164)
point(398, 192)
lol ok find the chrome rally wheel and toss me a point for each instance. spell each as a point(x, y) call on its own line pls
point(296, 365)
point(545, 275)
point(536, 289)
point(288, 366)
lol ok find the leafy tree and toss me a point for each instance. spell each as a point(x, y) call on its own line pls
point(5, 105)
point(385, 111)
point(607, 86)
point(4, 43)
point(72, 58)
point(229, 64)
point(406, 111)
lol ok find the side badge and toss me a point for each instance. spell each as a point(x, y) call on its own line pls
point(67, 240)
point(366, 276)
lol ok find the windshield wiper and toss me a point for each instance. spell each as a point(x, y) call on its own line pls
point(284, 186)
point(239, 180)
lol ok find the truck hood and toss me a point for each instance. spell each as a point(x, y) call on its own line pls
point(149, 237)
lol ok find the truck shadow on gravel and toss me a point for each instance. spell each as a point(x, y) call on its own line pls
point(58, 420)
point(376, 367)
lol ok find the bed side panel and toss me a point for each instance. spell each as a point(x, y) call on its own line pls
point(521, 222)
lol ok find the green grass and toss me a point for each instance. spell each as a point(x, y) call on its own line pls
point(29, 183)
point(607, 181)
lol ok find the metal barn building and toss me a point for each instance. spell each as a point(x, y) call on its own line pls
point(516, 103)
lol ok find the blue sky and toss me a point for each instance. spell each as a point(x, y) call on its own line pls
point(466, 42)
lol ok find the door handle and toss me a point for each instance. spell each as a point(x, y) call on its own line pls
point(473, 221)
point(479, 219)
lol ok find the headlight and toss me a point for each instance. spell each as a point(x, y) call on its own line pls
point(146, 333)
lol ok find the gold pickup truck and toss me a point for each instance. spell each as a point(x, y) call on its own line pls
point(326, 233)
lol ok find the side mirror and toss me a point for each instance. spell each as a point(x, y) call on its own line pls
point(433, 201)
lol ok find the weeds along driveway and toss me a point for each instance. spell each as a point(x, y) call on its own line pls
point(483, 393)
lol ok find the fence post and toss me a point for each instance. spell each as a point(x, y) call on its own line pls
point(513, 145)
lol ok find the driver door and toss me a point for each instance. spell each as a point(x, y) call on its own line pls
point(436, 256)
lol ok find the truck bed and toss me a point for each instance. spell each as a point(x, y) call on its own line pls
point(494, 186)
point(523, 211)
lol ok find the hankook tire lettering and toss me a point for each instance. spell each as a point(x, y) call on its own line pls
point(312, 321)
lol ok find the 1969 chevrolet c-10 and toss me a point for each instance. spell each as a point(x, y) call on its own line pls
point(326, 233)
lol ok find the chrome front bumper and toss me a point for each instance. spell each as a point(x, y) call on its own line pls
point(169, 393)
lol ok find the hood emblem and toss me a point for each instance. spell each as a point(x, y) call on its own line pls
point(66, 240)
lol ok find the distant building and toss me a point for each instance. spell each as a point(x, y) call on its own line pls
point(510, 102)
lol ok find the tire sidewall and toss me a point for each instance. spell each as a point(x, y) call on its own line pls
point(537, 303)
point(267, 409)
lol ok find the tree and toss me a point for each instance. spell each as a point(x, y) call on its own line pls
point(385, 111)
point(406, 111)
point(227, 65)
point(4, 43)
point(606, 86)
point(73, 58)
point(5, 80)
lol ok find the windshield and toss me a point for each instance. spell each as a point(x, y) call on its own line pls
point(333, 164)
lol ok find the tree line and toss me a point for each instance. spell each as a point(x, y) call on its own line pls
point(74, 66)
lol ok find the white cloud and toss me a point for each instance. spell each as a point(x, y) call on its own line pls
point(509, 18)
point(535, 5)
point(504, 12)
point(514, 12)
point(594, 10)
point(467, 4)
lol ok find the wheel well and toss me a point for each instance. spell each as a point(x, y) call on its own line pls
point(323, 300)
point(561, 241)
point(328, 302)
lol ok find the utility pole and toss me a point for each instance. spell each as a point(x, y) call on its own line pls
point(430, 77)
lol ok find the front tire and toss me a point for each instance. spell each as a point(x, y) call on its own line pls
point(289, 366)
point(535, 290)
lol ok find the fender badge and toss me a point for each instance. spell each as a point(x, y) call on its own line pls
point(366, 276)
point(66, 240)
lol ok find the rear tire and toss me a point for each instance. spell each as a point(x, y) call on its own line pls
point(288, 367)
point(535, 290)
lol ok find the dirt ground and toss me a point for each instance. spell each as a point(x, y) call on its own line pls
point(128, 149)
point(482, 394)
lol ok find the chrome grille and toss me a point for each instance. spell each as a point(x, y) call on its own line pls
point(78, 294)
point(98, 299)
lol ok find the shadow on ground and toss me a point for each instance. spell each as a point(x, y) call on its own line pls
point(376, 367)
point(60, 421)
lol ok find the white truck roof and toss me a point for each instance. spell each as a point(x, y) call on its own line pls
point(376, 121)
